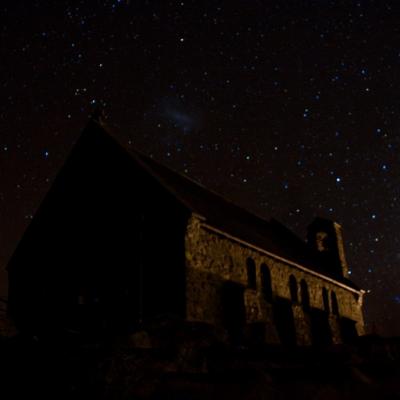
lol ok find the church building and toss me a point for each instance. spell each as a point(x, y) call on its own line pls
point(120, 239)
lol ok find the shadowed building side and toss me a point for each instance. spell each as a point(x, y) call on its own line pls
point(106, 244)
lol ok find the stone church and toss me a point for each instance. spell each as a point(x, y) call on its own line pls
point(120, 239)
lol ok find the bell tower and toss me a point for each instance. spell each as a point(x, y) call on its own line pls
point(326, 241)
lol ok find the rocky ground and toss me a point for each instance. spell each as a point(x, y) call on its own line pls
point(179, 361)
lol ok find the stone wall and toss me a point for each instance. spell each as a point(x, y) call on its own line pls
point(214, 258)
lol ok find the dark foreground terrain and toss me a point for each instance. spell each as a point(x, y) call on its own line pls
point(171, 360)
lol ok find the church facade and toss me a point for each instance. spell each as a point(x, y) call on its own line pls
point(120, 239)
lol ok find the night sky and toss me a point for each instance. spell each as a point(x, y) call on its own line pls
point(289, 108)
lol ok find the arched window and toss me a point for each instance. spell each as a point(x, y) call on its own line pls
point(251, 274)
point(335, 306)
point(305, 298)
point(266, 282)
point(293, 289)
point(325, 299)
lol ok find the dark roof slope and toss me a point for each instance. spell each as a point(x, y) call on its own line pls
point(223, 214)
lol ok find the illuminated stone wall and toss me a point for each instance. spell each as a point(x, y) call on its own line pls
point(214, 258)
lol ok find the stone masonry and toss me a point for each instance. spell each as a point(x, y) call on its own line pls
point(214, 257)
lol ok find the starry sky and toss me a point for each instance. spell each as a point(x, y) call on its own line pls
point(289, 108)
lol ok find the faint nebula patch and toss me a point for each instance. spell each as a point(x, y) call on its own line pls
point(175, 113)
